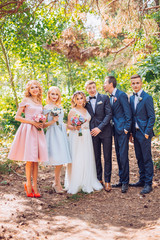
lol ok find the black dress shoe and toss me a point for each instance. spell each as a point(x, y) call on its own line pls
point(124, 188)
point(137, 184)
point(146, 189)
point(117, 185)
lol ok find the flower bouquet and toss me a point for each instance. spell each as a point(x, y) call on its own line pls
point(78, 120)
point(39, 118)
point(55, 112)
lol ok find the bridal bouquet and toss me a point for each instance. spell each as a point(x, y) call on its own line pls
point(55, 112)
point(78, 120)
point(39, 118)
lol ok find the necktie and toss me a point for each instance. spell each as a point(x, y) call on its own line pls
point(92, 97)
point(135, 94)
point(111, 95)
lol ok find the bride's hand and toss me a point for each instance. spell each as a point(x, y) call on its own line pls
point(78, 128)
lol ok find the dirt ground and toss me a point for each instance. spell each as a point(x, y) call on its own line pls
point(95, 216)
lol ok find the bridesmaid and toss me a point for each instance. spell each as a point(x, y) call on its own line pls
point(56, 136)
point(29, 144)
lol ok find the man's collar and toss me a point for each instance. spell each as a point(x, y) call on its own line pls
point(114, 91)
point(95, 95)
point(139, 93)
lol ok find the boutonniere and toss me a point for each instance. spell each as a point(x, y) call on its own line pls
point(100, 102)
point(140, 99)
point(115, 99)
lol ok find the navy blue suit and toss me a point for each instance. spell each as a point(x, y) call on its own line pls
point(101, 118)
point(144, 116)
point(122, 119)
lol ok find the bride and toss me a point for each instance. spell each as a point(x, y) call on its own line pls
point(82, 174)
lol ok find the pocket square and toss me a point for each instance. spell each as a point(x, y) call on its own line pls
point(100, 102)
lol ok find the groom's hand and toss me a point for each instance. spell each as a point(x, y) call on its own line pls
point(95, 131)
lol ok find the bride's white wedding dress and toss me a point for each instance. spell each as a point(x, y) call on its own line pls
point(81, 175)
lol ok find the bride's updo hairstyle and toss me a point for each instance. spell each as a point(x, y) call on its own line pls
point(57, 90)
point(74, 97)
point(28, 87)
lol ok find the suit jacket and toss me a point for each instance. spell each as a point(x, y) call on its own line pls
point(144, 114)
point(102, 116)
point(122, 116)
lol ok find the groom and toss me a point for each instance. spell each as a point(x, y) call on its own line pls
point(98, 106)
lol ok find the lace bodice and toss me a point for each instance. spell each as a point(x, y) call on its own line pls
point(87, 117)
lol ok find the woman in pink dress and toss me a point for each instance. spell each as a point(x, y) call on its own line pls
point(29, 143)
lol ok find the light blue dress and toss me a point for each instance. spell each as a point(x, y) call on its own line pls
point(57, 142)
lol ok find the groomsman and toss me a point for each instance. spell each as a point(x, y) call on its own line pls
point(98, 106)
point(142, 130)
point(122, 119)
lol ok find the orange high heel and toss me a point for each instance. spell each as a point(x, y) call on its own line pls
point(28, 194)
point(36, 195)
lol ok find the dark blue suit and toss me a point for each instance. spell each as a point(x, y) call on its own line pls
point(101, 119)
point(122, 119)
point(144, 116)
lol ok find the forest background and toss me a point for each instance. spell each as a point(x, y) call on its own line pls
point(65, 43)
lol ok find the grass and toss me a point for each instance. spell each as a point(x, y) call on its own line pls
point(5, 167)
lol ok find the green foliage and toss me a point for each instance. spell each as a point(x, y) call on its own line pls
point(5, 167)
point(66, 102)
point(7, 116)
point(157, 164)
point(150, 67)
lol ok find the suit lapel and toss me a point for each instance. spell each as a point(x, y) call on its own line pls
point(132, 98)
point(116, 96)
point(90, 107)
point(139, 102)
point(97, 100)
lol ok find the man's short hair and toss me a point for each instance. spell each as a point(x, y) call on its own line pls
point(136, 76)
point(111, 79)
point(89, 82)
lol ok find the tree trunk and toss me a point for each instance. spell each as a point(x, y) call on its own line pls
point(9, 71)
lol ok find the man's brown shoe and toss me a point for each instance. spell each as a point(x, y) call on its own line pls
point(101, 182)
point(107, 187)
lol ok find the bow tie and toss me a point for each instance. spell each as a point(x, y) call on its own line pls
point(111, 95)
point(92, 97)
point(135, 94)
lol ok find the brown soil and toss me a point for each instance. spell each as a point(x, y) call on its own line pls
point(95, 216)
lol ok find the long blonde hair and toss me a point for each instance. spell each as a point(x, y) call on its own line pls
point(57, 90)
point(73, 99)
point(28, 86)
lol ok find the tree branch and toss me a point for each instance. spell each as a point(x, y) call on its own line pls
point(155, 7)
point(121, 49)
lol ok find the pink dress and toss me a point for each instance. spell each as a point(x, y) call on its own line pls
point(29, 144)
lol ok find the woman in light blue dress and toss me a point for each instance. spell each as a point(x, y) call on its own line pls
point(56, 136)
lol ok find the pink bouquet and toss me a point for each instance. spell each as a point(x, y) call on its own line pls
point(39, 118)
point(78, 120)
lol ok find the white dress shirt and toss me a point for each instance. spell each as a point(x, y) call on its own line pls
point(93, 102)
point(112, 98)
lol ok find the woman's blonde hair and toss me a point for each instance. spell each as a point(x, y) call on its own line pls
point(73, 99)
point(28, 86)
point(57, 90)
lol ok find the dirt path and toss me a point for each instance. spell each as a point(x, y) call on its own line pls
point(99, 215)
